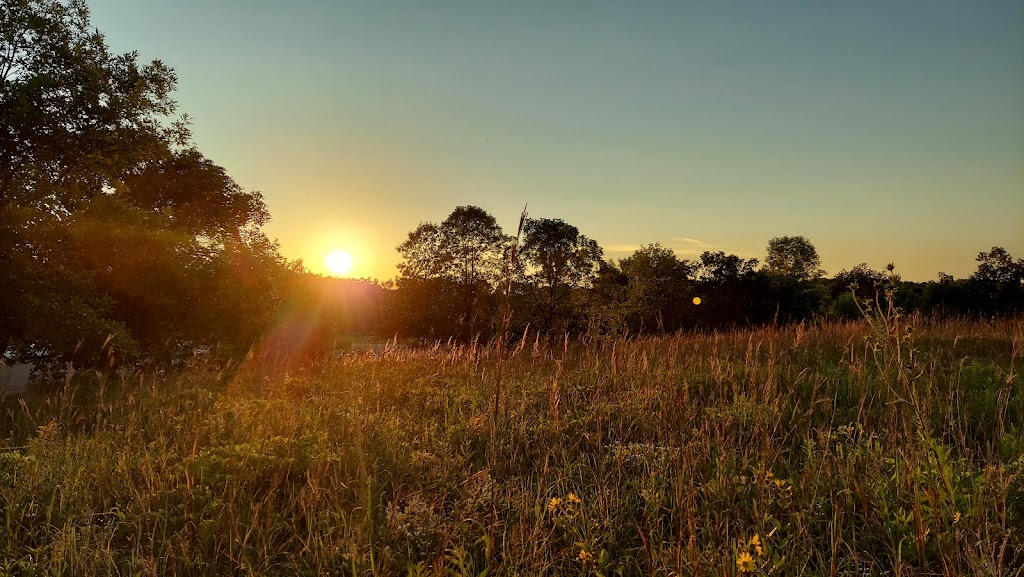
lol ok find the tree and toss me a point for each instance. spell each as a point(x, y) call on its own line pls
point(114, 229)
point(999, 282)
point(460, 258)
point(466, 247)
point(717, 268)
point(793, 266)
point(998, 266)
point(860, 282)
point(73, 116)
point(793, 257)
point(659, 288)
point(197, 196)
point(730, 290)
point(559, 259)
point(606, 306)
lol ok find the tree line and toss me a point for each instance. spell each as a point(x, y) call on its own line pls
point(121, 242)
point(465, 278)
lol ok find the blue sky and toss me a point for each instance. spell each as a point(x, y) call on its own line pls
point(882, 131)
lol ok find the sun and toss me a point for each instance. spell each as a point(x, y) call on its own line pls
point(338, 262)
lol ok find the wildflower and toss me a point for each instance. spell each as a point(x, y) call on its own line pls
point(745, 563)
point(573, 499)
point(755, 542)
point(584, 556)
point(554, 503)
point(956, 517)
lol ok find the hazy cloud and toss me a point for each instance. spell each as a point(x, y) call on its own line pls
point(624, 248)
point(691, 246)
point(692, 243)
point(684, 247)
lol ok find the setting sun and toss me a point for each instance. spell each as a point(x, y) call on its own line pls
point(338, 262)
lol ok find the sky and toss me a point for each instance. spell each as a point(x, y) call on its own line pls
point(882, 131)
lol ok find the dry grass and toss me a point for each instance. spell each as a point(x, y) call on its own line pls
point(843, 449)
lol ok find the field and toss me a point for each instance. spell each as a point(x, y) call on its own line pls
point(891, 446)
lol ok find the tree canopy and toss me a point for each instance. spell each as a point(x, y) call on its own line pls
point(558, 259)
point(793, 257)
point(117, 233)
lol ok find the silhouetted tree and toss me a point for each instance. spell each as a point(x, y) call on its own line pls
point(860, 282)
point(732, 291)
point(999, 282)
point(794, 267)
point(606, 306)
point(559, 259)
point(461, 260)
point(660, 290)
point(948, 296)
point(793, 257)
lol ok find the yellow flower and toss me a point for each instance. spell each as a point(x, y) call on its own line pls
point(584, 556)
point(554, 503)
point(572, 498)
point(755, 542)
point(745, 562)
point(956, 517)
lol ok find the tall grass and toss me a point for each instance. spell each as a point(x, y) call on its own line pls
point(810, 450)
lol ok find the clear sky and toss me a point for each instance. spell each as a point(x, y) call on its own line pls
point(882, 131)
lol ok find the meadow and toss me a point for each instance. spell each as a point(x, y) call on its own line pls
point(889, 446)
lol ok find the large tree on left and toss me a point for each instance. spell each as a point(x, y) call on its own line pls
point(113, 228)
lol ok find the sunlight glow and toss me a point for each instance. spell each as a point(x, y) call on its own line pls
point(339, 262)
point(696, 300)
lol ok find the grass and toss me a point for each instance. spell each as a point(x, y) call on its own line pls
point(839, 449)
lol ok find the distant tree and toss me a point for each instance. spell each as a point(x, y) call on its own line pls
point(999, 282)
point(948, 295)
point(659, 288)
point(864, 277)
point(459, 259)
point(324, 314)
point(998, 266)
point(606, 307)
point(860, 282)
point(732, 291)
point(794, 268)
point(850, 286)
point(718, 268)
point(466, 247)
point(793, 257)
point(558, 259)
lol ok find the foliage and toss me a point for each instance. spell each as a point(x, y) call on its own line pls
point(660, 290)
point(558, 259)
point(459, 262)
point(115, 229)
point(999, 281)
point(560, 284)
point(793, 257)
